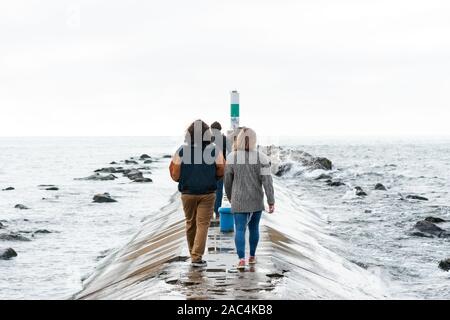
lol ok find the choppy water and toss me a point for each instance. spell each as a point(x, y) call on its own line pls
point(376, 228)
point(52, 265)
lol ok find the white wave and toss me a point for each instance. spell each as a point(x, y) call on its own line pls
point(317, 272)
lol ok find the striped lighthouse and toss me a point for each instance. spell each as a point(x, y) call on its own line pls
point(234, 110)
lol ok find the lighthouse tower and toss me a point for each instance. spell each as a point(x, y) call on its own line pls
point(234, 110)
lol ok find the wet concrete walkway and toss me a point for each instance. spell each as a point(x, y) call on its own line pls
point(220, 279)
point(292, 262)
point(156, 265)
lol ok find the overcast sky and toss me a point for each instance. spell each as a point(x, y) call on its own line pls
point(304, 67)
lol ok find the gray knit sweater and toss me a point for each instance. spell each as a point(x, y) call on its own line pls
point(246, 173)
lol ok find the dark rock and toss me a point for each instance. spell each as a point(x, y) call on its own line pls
point(143, 180)
point(98, 177)
point(42, 231)
point(8, 189)
point(167, 156)
point(444, 234)
point(282, 155)
point(283, 169)
point(130, 162)
point(445, 264)
point(50, 187)
point(148, 161)
point(323, 176)
point(113, 162)
point(6, 254)
point(134, 174)
point(367, 211)
point(323, 163)
point(335, 183)
point(107, 170)
point(54, 199)
point(105, 197)
point(434, 220)
point(1, 225)
point(429, 228)
point(360, 192)
point(421, 234)
point(21, 207)
point(13, 237)
point(144, 157)
point(380, 186)
point(415, 197)
point(361, 264)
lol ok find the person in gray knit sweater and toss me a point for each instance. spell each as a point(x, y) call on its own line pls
point(247, 172)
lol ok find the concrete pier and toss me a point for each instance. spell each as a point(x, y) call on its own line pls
point(157, 266)
point(292, 262)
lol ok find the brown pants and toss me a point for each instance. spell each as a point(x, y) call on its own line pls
point(198, 210)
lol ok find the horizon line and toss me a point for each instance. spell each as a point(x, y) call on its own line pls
point(430, 135)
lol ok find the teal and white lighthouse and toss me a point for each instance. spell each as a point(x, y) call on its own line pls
point(234, 110)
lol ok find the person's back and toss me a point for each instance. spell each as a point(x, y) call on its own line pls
point(197, 166)
point(220, 142)
point(248, 173)
point(197, 176)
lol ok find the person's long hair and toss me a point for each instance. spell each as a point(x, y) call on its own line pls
point(246, 140)
point(195, 129)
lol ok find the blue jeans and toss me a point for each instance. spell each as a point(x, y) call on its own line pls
point(219, 196)
point(241, 221)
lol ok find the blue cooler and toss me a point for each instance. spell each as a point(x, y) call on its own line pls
point(226, 219)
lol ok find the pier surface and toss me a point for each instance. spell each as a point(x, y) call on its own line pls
point(292, 263)
point(159, 268)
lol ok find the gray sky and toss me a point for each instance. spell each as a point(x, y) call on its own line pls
point(310, 67)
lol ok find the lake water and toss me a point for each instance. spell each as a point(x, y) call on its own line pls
point(373, 231)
